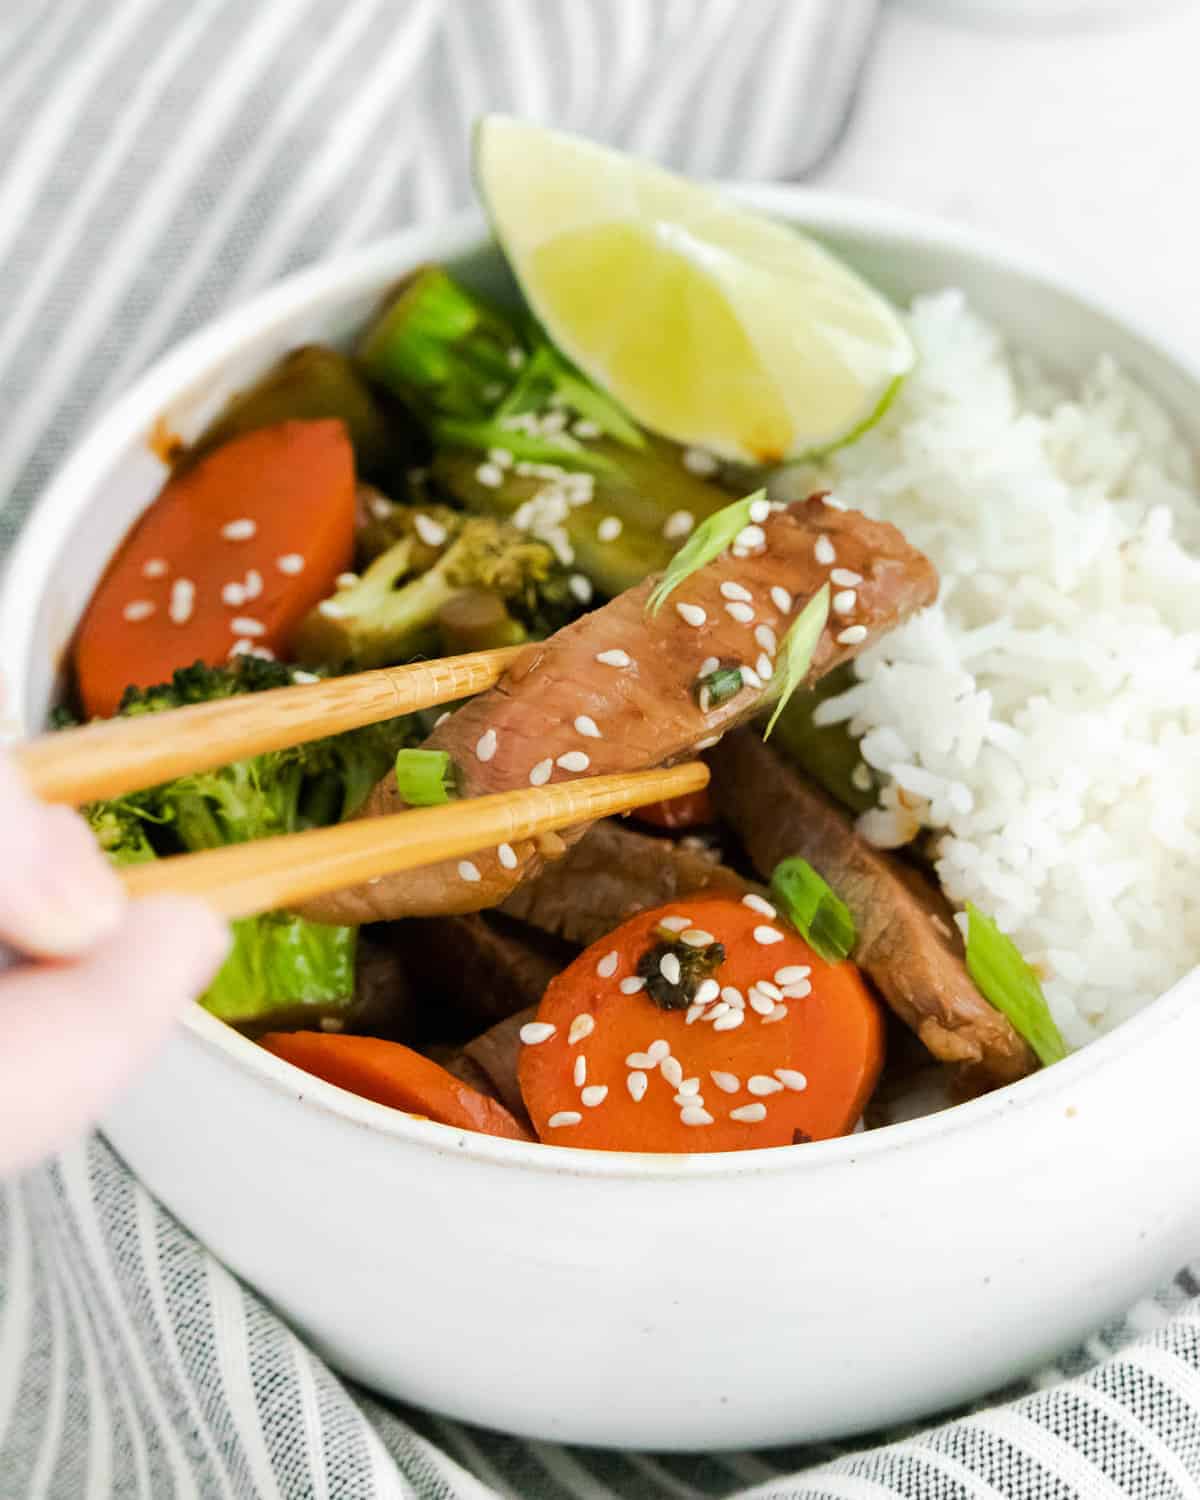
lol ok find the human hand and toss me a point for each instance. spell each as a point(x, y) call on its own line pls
point(103, 977)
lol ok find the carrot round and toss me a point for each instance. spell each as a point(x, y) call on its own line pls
point(239, 548)
point(794, 1069)
point(692, 810)
point(390, 1073)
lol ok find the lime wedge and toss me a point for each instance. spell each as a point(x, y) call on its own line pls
point(709, 324)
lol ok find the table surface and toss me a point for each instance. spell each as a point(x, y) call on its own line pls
point(1077, 142)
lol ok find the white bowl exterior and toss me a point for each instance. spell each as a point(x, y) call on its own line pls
point(655, 1302)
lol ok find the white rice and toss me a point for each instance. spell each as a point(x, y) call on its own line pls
point(1043, 716)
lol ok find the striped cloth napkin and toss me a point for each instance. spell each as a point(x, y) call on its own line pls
point(158, 161)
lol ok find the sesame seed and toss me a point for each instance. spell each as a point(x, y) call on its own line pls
point(781, 599)
point(138, 609)
point(709, 742)
point(708, 665)
point(491, 476)
point(777, 1014)
point(760, 1084)
point(736, 592)
point(381, 508)
point(798, 991)
point(582, 1026)
point(580, 1071)
point(765, 637)
point(541, 773)
point(595, 1093)
point(588, 727)
point(676, 924)
point(844, 601)
point(750, 537)
point(715, 1012)
point(609, 529)
point(574, 760)
point(678, 524)
point(234, 595)
point(730, 1021)
point(742, 613)
point(689, 1100)
point(291, 563)
point(791, 1079)
point(759, 904)
point(154, 567)
point(853, 635)
point(846, 578)
point(765, 667)
point(823, 551)
point(672, 1070)
point(699, 461)
point(749, 1114)
point(607, 966)
point(792, 973)
point(768, 988)
point(534, 1032)
point(637, 1083)
point(833, 502)
point(238, 531)
point(691, 614)
point(760, 510)
point(254, 583)
point(693, 1114)
point(507, 856)
point(501, 457)
point(615, 658)
point(767, 935)
point(668, 967)
point(441, 719)
point(485, 745)
point(468, 871)
point(750, 678)
point(585, 428)
point(733, 997)
point(581, 587)
point(762, 1004)
point(640, 1060)
point(183, 602)
point(656, 1051)
point(690, 1086)
point(728, 1083)
point(241, 648)
point(696, 937)
point(564, 1117)
point(299, 675)
point(706, 990)
point(632, 985)
point(246, 625)
point(331, 610)
point(431, 532)
point(694, 1012)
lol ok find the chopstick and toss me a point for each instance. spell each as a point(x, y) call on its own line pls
point(115, 756)
point(240, 880)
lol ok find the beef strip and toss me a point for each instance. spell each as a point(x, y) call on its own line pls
point(642, 702)
point(482, 966)
point(496, 1052)
point(609, 875)
point(908, 943)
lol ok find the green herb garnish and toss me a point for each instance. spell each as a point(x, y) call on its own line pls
point(720, 686)
point(1004, 978)
point(695, 966)
point(796, 652)
point(425, 778)
point(708, 541)
point(814, 909)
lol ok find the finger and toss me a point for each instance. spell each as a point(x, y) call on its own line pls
point(73, 1033)
point(58, 894)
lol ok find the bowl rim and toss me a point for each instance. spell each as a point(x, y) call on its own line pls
point(131, 416)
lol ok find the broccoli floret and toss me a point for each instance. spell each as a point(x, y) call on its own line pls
point(403, 605)
point(279, 963)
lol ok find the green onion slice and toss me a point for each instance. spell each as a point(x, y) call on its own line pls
point(425, 778)
point(451, 432)
point(708, 541)
point(796, 652)
point(814, 909)
point(721, 685)
point(994, 962)
point(590, 401)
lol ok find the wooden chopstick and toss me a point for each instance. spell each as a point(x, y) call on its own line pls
point(242, 879)
point(124, 755)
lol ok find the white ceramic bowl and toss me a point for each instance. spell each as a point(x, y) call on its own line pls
point(653, 1301)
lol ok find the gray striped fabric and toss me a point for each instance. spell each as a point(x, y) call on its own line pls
point(160, 159)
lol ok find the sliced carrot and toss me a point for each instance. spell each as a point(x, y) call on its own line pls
point(802, 1072)
point(692, 810)
point(390, 1073)
point(271, 513)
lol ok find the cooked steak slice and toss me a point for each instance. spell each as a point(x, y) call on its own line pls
point(908, 943)
point(496, 1052)
point(617, 690)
